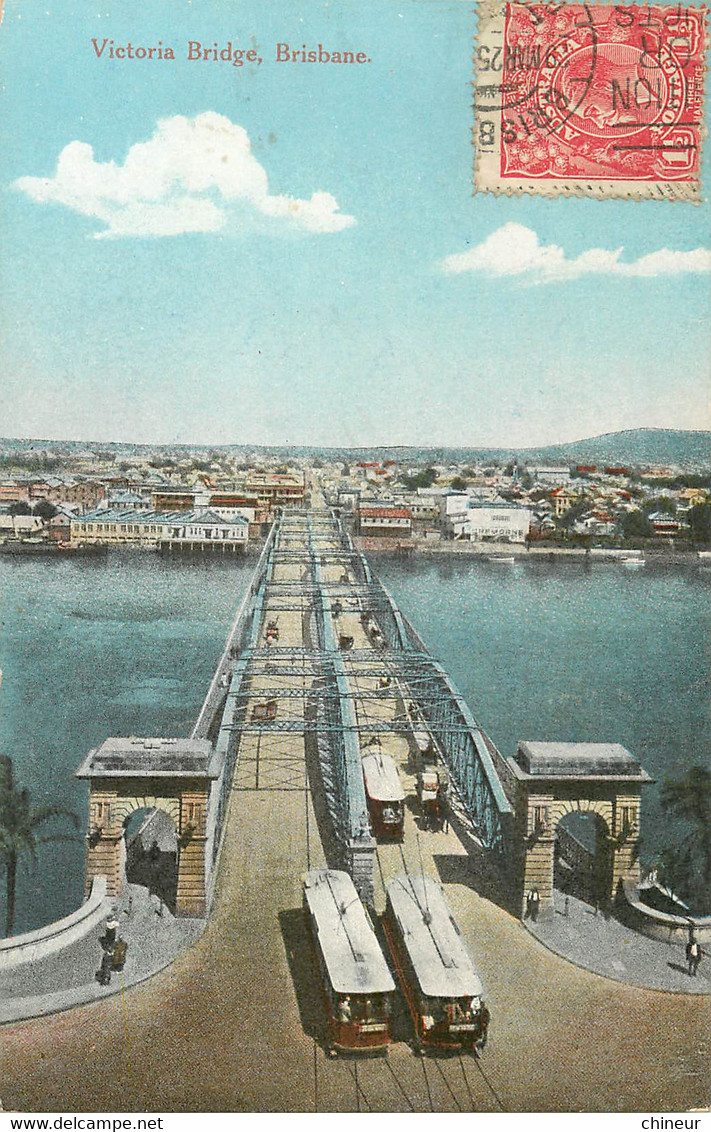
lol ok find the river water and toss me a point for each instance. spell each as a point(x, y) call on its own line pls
point(540, 650)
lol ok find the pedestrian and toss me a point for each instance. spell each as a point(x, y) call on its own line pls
point(566, 906)
point(118, 959)
point(442, 806)
point(693, 955)
point(484, 1019)
point(535, 904)
point(154, 864)
point(103, 975)
point(112, 926)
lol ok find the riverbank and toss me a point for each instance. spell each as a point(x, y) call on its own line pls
point(45, 548)
point(520, 552)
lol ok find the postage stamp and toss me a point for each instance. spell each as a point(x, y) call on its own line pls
point(589, 99)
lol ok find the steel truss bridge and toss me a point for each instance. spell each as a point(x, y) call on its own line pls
point(320, 657)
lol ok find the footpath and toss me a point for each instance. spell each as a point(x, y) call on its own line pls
point(69, 977)
point(608, 948)
point(155, 938)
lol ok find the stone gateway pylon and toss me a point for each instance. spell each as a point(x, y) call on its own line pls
point(549, 781)
point(175, 776)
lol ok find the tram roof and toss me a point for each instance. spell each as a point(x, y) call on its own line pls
point(382, 780)
point(349, 946)
point(442, 965)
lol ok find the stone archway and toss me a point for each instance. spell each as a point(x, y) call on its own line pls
point(151, 852)
point(583, 856)
point(553, 780)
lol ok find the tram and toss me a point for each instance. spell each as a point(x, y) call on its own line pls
point(443, 991)
point(385, 796)
point(357, 985)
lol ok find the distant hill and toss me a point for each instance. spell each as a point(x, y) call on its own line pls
point(682, 448)
point(635, 446)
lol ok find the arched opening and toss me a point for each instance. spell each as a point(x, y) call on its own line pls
point(583, 858)
point(151, 845)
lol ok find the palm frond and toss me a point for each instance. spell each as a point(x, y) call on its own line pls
point(46, 813)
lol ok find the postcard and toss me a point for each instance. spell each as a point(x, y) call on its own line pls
point(355, 546)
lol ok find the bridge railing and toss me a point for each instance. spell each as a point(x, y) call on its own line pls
point(225, 696)
point(338, 712)
point(469, 753)
point(216, 693)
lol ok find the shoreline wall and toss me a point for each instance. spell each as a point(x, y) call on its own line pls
point(32, 946)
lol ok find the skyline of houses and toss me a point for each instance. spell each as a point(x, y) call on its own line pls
point(385, 499)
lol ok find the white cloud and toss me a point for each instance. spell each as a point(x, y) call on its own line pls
point(193, 175)
point(515, 250)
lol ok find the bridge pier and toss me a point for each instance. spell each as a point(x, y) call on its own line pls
point(361, 866)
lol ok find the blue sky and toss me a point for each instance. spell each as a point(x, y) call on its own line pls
point(344, 318)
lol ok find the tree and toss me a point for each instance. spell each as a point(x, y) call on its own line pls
point(20, 508)
point(660, 503)
point(45, 510)
point(20, 827)
point(700, 522)
point(571, 516)
point(421, 479)
point(458, 483)
point(689, 798)
point(635, 524)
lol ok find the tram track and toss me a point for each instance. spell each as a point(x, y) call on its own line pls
point(491, 1088)
point(359, 1088)
point(466, 1082)
point(439, 1090)
point(427, 1082)
point(398, 1082)
point(447, 1084)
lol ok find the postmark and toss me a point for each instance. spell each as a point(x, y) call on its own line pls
point(589, 99)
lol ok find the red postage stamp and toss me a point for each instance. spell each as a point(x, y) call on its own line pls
point(593, 100)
